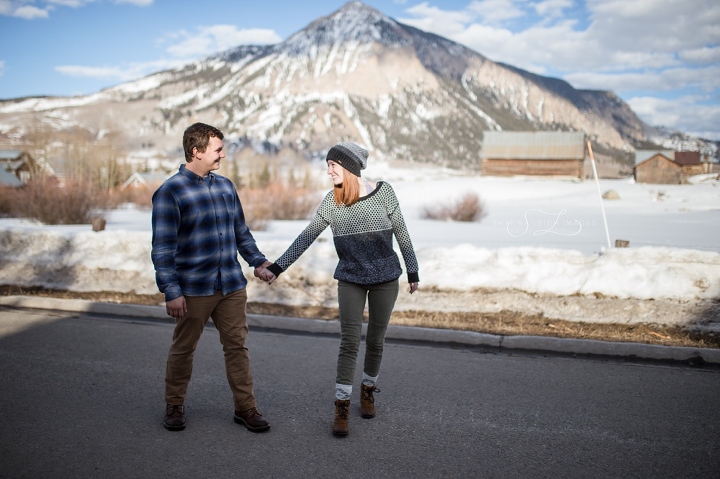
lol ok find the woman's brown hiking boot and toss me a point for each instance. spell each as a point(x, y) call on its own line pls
point(342, 411)
point(367, 401)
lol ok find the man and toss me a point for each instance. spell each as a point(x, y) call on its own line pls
point(198, 228)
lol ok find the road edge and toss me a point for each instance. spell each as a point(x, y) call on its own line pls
point(567, 346)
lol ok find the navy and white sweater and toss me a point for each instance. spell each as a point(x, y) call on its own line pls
point(363, 236)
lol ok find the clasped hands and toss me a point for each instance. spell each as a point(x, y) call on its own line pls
point(264, 274)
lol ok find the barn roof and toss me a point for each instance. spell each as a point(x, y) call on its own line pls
point(687, 158)
point(644, 155)
point(534, 145)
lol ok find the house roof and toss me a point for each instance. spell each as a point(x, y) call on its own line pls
point(146, 179)
point(534, 145)
point(644, 155)
point(10, 154)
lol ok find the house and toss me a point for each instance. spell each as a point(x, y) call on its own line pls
point(144, 180)
point(666, 166)
point(17, 163)
point(533, 153)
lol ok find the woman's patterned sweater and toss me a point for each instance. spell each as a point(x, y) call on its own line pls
point(363, 235)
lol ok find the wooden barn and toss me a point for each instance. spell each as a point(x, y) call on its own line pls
point(533, 153)
point(666, 167)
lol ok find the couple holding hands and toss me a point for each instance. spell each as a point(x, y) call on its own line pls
point(199, 227)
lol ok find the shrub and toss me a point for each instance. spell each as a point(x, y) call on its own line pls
point(140, 196)
point(467, 208)
point(76, 202)
point(276, 201)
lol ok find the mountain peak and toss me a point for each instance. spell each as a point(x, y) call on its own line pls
point(353, 22)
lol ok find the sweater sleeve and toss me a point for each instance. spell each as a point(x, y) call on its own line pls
point(304, 239)
point(402, 235)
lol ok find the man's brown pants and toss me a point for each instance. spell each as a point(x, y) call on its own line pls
point(229, 317)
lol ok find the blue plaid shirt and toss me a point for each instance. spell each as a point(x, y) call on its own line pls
point(198, 228)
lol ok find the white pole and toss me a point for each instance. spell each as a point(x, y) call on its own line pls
point(597, 182)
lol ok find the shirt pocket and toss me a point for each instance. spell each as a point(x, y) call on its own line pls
point(230, 206)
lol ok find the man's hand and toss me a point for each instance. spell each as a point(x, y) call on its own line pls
point(413, 287)
point(176, 307)
point(263, 273)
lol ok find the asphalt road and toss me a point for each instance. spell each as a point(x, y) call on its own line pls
point(81, 396)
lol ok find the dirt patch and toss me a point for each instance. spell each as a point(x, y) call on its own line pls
point(502, 322)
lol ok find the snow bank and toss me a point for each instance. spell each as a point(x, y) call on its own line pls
point(83, 260)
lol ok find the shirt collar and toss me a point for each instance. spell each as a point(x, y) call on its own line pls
point(194, 177)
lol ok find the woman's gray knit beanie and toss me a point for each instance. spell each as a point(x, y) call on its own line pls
point(350, 156)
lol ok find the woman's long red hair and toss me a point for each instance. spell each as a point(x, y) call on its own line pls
point(348, 193)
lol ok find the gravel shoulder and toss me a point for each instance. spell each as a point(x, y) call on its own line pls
point(500, 312)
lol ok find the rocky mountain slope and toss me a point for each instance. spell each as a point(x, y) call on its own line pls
point(354, 75)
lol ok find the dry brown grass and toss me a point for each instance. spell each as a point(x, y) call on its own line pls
point(76, 202)
point(467, 208)
point(140, 196)
point(276, 201)
point(503, 323)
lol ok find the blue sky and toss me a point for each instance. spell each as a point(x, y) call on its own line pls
point(661, 56)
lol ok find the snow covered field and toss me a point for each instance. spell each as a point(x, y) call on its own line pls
point(542, 248)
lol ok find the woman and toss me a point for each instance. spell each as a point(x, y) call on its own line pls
point(363, 217)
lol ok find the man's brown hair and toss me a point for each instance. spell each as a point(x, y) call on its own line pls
point(198, 136)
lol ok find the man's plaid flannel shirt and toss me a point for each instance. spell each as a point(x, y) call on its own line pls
point(197, 231)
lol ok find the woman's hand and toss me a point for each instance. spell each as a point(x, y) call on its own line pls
point(413, 287)
point(265, 274)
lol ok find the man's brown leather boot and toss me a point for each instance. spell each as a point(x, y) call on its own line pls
point(174, 417)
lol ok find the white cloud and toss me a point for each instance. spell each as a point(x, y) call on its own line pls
point(139, 3)
point(22, 9)
point(2, 67)
point(705, 79)
point(552, 8)
point(432, 19)
point(28, 12)
point(207, 40)
point(621, 33)
point(70, 3)
point(701, 55)
point(496, 10)
point(127, 72)
point(688, 114)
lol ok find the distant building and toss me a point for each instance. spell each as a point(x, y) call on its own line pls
point(144, 180)
point(16, 163)
point(533, 153)
point(667, 167)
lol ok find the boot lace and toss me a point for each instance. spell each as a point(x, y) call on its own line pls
point(367, 393)
point(343, 409)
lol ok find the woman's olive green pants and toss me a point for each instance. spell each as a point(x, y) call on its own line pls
point(351, 298)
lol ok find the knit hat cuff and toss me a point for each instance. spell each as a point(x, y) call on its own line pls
point(344, 158)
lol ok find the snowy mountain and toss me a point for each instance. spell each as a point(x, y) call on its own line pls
point(354, 75)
